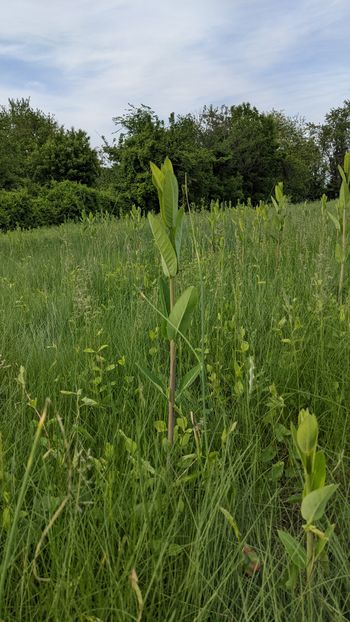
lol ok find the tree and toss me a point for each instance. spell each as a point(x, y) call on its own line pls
point(34, 148)
point(302, 169)
point(66, 155)
point(22, 130)
point(335, 142)
point(142, 140)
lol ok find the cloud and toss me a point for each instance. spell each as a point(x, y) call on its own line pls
point(84, 61)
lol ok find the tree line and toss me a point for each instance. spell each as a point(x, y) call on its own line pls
point(233, 153)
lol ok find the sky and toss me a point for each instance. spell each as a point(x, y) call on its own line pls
point(85, 61)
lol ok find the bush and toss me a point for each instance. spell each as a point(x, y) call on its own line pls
point(52, 205)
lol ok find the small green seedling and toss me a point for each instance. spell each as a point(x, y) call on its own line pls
point(167, 232)
point(314, 500)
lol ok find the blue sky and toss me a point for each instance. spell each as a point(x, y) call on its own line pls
point(84, 61)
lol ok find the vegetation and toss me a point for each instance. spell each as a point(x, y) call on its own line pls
point(229, 153)
point(100, 518)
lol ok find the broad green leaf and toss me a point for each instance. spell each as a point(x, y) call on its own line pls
point(153, 378)
point(279, 191)
point(180, 315)
point(231, 521)
point(344, 194)
point(178, 231)
point(314, 504)
point(164, 296)
point(160, 426)
point(307, 432)
point(334, 220)
point(293, 572)
point(164, 246)
point(342, 174)
point(188, 379)
point(322, 542)
point(130, 445)
point(347, 164)
point(319, 471)
point(294, 549)
point(170, 199)
point(158, 182)
point(167, 166)
point(157, 176)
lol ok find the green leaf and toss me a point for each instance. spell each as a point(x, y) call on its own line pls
point(130, 445)
point(164, 296)
point(87, 401)
point(158, 182)
point(178, 231)
point(307, 432)
point(344, 194)
point(170, 199)
point(319, 471)
point(188, 379)
point(160, 426)
point(294, 549)
point(180, 315)
point(153, 379)
point(322, 542)
point(165, 247)
point(157, 177)
point(342, 174)
point(314, 504)
point(293, 572)
point(276, 471)
point(231, 521)
point(334, 220)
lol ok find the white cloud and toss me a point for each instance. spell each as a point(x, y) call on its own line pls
point(175, 56)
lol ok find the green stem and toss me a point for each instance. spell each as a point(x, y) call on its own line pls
point(172, 371)
point(341, 275)
point(309, 539)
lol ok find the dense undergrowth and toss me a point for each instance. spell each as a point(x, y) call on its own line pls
point(105, 496)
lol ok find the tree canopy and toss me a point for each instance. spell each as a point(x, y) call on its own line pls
point(231, 153)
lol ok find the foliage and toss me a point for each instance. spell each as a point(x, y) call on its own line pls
point(52, 205)
point(33, 147)
point(167, 234)
point(314, 500)
point(274, 341)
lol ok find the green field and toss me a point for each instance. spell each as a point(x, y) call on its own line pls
point(104, 495)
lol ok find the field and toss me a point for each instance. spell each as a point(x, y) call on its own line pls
point(104, 499)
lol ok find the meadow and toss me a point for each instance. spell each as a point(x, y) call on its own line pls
point(107, 522)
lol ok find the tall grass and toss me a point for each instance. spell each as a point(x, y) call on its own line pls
point(275, 340)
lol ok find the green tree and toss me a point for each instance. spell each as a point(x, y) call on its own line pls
point(66, 155)
point(302, 169)
point(22, 130)
point(142, 139)
point(334, 138)
point(34, 148)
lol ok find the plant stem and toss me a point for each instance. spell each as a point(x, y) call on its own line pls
point(341, 275)
point(309, 540)
point(172, 371)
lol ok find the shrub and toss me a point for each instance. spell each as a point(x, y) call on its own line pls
point(52, 205)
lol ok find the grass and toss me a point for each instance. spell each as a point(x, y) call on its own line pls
point(96, 505)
